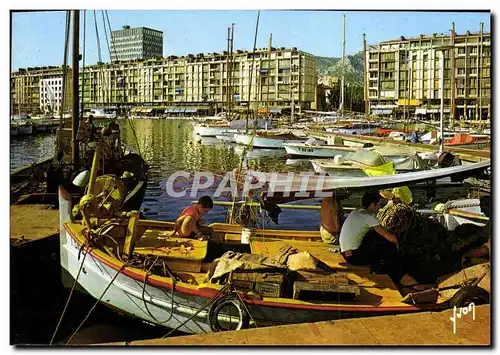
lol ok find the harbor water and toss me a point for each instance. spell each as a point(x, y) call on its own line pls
point(168, 146)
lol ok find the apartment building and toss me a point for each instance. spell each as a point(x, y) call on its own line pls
point(407, 77)
point(197, 81)
point(51, 94)
point(33, 90)
point(136, 43)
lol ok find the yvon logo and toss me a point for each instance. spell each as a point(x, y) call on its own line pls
point(462, 311)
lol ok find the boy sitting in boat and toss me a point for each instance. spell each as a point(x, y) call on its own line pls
point(363, 241)
point(331, 220)
point(189, 223)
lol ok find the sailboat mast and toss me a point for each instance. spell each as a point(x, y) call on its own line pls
point(227, 68)
point(230, 78)
point(251, 70)
point(365, 76)
point(343, 69)
point(269, 71)
point(74, 71)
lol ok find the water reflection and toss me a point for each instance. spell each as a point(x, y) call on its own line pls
point(25, 150)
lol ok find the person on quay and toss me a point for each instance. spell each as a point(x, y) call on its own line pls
point(189, 224)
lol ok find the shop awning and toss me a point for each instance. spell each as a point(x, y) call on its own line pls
point(421, 111)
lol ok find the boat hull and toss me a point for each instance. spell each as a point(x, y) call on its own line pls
point(205, 131)
point(296, 149)
point(263, 142)
point(25, 129)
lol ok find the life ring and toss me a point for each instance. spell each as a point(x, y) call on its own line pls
point(215, 312)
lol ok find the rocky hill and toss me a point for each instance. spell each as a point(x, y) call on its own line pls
point(333, 67)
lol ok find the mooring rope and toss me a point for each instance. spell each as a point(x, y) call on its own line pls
point(96, 303)
point(69, 297)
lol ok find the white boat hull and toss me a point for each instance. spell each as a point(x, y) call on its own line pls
point(298, 149)
point(226, 137)
point(205, 131)
point(262, 142)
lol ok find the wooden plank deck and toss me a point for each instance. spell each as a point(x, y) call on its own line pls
point(428, 328)
point(32, 222)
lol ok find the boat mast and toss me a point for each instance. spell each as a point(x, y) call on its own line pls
point(343, 69)
point(453, 83)
point(480, 74)
point(251, 71)
point(74, 71)
point(365, 76)
point(268, 72)
point(230, 78)
point(227, 69)
point(441, 85)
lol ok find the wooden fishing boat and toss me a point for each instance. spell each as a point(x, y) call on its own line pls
point(178, 296)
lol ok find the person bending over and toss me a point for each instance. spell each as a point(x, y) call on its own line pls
point(363, 241)
point(189, 223)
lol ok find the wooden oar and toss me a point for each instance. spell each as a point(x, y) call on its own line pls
point(465, 214)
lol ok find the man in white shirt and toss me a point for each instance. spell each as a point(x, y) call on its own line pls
point(363, 240)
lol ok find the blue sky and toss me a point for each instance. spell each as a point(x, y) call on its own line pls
point(38, 37)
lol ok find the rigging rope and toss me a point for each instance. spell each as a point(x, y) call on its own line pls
point(116, 58)
point(65, 64)
point(109, 50)
point(97, 37)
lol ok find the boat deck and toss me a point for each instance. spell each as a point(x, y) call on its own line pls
point(32, 222)
point(427, 328)
point(185, 255)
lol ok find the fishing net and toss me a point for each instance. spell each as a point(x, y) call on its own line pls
point(425, 245)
